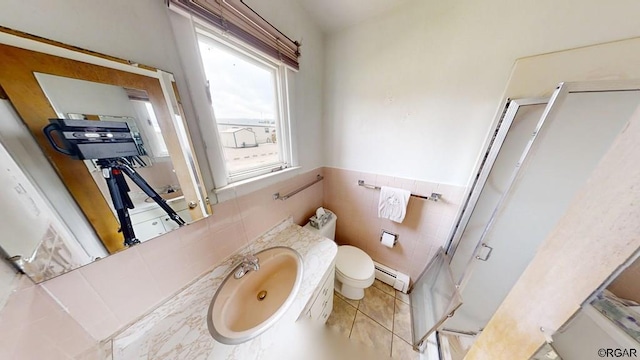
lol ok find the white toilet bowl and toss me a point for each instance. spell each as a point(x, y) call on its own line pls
point(354, 268)
point(354, 272)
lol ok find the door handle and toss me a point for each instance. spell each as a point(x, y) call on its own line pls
point(486, 256)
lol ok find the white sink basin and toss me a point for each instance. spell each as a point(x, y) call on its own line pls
point(244, 308)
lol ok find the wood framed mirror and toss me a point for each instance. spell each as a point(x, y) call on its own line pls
point(43, 80)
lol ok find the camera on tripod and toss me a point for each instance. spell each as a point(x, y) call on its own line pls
point(113, 147)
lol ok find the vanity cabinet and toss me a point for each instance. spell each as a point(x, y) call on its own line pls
point(321, 303)
point(151, 222)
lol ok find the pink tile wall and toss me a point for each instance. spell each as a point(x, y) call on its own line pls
point(100, 298)
point(33, 326)
point(425, 228)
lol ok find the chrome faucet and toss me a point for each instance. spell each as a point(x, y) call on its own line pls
point(247, 264)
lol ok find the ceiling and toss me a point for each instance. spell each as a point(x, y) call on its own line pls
point(333, 15)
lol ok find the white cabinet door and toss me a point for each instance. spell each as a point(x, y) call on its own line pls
point(169, 224)
point(321, 303)
point(327, 310)
point(149, 229)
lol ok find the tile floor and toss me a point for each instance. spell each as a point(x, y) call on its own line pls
point(381, 319)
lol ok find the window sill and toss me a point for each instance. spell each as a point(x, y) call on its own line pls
point(247, 186)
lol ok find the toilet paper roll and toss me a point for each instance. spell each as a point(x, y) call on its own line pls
point(388, 240)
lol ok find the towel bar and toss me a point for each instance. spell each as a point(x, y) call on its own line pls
point(277, 196)
point(433, 197)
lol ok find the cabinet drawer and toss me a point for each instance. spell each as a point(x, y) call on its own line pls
point(327, 311)
point(325, 296)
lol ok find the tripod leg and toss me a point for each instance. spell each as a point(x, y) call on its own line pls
point(123, 187)
point(142, 184)
point(119, 204)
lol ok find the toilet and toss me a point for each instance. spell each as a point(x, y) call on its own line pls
point(354, 268)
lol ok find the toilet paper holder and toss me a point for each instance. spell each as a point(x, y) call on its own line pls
point(385, 235)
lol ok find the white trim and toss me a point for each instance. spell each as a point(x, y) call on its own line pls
point(188, 50)
point(283, 122)
point(244, 49)
point(255, 183)
point(204, 28)
point(181, 132)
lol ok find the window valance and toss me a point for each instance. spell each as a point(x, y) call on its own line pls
point(238, 19)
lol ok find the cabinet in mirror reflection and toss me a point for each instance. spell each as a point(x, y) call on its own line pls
point(71, 196)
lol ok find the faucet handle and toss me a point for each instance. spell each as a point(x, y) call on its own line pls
point(250, 258)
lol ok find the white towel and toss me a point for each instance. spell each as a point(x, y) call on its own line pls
point(393, 203)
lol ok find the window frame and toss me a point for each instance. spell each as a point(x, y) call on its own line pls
point(283, 119)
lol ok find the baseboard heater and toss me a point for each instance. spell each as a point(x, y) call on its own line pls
point(398, 280)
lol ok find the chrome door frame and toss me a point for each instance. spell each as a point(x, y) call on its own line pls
point(507, 116)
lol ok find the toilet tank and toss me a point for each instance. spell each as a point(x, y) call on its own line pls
point(328, 230)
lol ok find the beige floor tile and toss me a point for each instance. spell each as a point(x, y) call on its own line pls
point(353, 303)
point(384, 287)
point(402, 350)
point(342, 316)
point(370, 333)
point(378, 305)
point(402, 321)
point(402, 297)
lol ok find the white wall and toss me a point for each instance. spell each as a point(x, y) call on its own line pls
point(85, 97)
point(413, 93)
point(134, 30)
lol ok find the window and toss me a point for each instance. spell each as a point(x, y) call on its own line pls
point(248, 95)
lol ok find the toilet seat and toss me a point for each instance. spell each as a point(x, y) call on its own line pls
point(361, 284)
point(354, 266)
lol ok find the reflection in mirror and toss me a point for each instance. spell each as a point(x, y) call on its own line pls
point(85, 100)
point(32, 228)
point(63, 216)
point(606, 325)
point(79, 99)
point(455, 345)
point(620, 301)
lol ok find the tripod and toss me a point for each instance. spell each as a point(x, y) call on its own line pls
point(113, 170)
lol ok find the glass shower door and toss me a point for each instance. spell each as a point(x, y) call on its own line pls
point(434, 298)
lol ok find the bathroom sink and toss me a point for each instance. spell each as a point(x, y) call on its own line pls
point(244, 308)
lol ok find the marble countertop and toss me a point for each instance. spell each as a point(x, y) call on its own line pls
point(178, 329)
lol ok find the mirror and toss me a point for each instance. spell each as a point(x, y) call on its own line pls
point(84, 100)
point(606, 325)
point(619, 302)
point(69, 199)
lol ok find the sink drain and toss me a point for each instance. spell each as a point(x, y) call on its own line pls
point(261, 295)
